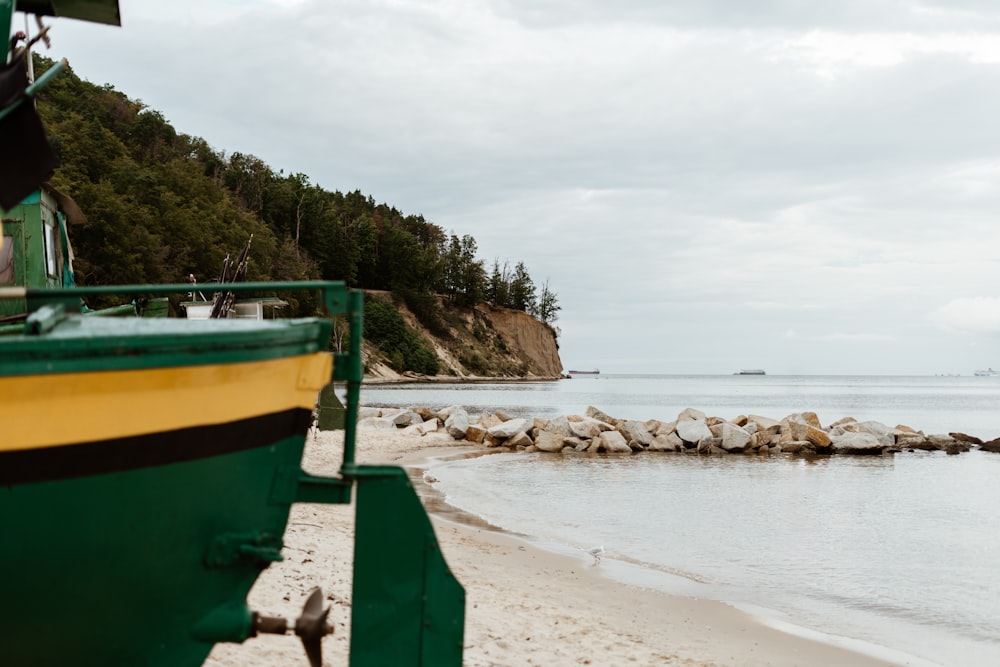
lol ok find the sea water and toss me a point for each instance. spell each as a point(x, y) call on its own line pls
point(933, 404)
point(897, 552)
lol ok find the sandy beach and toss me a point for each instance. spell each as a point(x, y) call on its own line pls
point(525, 605)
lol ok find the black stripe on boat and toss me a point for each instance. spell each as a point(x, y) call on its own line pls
point(45, 464)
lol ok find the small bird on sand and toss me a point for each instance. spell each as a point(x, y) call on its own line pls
point(596, 553)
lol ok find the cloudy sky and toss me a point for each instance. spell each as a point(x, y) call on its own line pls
point(707, 186)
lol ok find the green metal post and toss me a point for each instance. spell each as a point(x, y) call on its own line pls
point(6, 21)
point(353, 374)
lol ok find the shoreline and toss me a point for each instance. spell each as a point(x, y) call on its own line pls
point(454, 379)
point(526, 604)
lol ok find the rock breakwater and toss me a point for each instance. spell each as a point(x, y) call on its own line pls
point(692, 432)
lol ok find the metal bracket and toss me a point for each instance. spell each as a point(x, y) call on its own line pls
point(292, 485)
point(231, 549)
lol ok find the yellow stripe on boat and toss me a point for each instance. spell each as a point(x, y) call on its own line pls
point(73, 408)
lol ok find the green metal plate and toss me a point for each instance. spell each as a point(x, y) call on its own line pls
point(408, 609)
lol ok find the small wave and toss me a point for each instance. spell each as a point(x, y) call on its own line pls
point(674, 571)
point(918, 616)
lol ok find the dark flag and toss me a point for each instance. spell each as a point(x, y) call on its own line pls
point(26, 159)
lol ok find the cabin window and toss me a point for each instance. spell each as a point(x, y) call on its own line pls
point(51, 252)
point(7, 261)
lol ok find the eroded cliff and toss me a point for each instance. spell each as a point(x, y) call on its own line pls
point(480, 342)
point(532, 340)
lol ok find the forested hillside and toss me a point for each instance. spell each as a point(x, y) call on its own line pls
point(162, 205)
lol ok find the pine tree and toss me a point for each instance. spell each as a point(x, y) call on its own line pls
point(522, 289)
point(547, 305)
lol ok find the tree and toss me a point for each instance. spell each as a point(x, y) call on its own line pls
point(247, 177)
point(498, 285)
point(364, 235)
point(463, 275)
point(547, 306)
point(522, 289)
point(473, 277)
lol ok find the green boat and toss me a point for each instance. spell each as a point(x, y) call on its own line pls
point(148, 465)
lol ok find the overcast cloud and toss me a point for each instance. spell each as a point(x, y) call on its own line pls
point(801, 187)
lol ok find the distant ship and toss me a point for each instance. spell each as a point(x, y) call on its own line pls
point(988, 373)
point(593, 372)
point(750, 371)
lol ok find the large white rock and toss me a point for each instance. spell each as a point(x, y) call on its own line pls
point(521, 439)
point(635, 431)
point(475, 433)
point(693, 430)
point(734, 438)
point(803, 427)
point(509, 428)
point(549, 442)
point(765, 437)
point(613, 442)
point(917, 442)
point(691, 414)
point(558, 425)
point(404, 418)
point(422, 428)
point(425, 412)
point(940, 440)
point(588, 428)
point(600, 415)
point(762, 423)
point(884, 433)
point(666, 428)
point(670, 442)
point(810, 433)
point(489, 421)
point(857, 443)
point(841, 422)
point(805, 418)
point(444, 413)
point(457, 424)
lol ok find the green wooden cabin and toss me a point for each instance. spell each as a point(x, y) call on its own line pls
point(35, 228)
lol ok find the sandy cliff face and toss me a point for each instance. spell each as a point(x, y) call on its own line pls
point(535, 340)
point(483, 342)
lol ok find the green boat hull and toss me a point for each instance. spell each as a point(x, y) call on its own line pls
point(146, 476)
point(121, 568)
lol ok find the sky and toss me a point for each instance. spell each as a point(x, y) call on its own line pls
point(795, 186)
